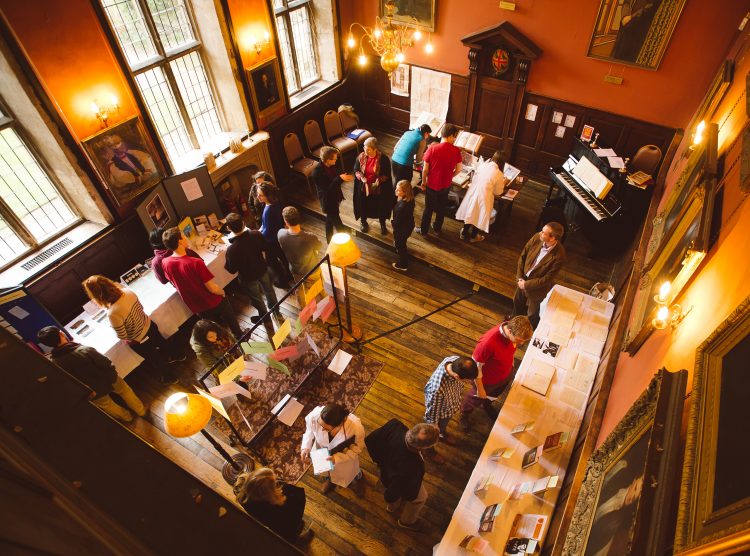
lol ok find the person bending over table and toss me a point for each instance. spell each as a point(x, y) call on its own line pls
point(210, 341)
point(494, 357)
point(373, 188)
point(333, 427)
point(475, 210)
point(277, 505)
point(132, 324)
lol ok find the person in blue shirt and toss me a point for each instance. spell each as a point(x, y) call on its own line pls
point(271, 222)
point(402, 160)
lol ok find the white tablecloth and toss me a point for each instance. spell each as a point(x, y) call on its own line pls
point(565, 311)
point(160, 301)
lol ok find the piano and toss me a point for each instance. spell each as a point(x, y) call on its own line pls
point(598, 200)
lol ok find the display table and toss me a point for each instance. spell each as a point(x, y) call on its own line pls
point(578, 324)
point(160, 301)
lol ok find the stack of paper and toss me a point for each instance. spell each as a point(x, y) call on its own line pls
point(538, 376)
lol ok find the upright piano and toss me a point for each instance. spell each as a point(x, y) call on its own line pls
point(598, 200)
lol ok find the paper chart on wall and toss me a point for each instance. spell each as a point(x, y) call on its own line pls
point(430, 91)
point(192, 189)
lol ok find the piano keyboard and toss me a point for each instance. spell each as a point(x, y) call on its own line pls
point(581, 195)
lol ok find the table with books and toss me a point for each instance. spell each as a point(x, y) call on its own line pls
point(511, 494)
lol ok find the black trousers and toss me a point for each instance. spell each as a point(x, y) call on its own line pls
point(278, 263)
point(470, 231)
point(522, 305)
point(401, 172)
point(437, 202)
point(399, 240)
point(333, 220)
point(223, 314)
point(155, 350)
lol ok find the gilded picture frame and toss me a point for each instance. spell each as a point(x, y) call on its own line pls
point(634, 32)
point(629, 489)
point(412, 13)
point(714, 510)
point(267, 90)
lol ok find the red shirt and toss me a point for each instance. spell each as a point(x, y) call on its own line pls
point(495, 352)
point(442, 158)
point(189, 276)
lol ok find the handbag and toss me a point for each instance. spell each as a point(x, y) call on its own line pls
point(344, 445)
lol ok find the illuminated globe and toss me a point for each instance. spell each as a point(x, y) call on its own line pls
point(389, 61)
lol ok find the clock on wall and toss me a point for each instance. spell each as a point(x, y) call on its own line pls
point(500, 62)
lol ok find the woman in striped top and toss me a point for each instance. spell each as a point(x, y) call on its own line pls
point(131, 323)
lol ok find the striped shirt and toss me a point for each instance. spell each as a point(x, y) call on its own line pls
point(442, 393)
point(127, 317)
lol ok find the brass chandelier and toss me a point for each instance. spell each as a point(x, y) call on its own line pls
point(388, 39)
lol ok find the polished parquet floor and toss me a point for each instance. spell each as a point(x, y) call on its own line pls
point(383, 298)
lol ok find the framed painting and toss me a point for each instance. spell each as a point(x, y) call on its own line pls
point(266, 88)
point(634, 32)
point(124, 158)
point(714, 510)
point(156, 211)
point(627, 501)
point(412, 13)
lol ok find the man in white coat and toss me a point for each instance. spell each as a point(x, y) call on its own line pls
point(334, 428)
point(476, 208)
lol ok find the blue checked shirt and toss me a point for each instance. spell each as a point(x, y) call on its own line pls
point(442, 394)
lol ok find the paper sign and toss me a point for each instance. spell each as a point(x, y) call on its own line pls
point(300, 348)
point(339, 362)
point(215, 403)
point(192, 189)
point(91, 308)
point(257, 348)
point(313, 345)
point(325, 309)
point(19, 312)
point(307, 312)
point(232, 371)
point(229, 389)
point(282, 333)
point(278, 366)
point(531, 112)
point(254, 370)
point(297, 328)
point(314, 290)
point(320, 461)
point(570, 120)
point(287, 410)
point(285, 353)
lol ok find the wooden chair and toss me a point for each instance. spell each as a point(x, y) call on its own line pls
point(349, 122)
point(646, 160)
point(297, 160)
point(313, 138)
point(335, 133)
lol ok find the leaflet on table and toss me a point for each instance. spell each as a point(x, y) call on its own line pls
point(254, 370)
point(320, 461)
point(306, 313)
point(566, 358)
point(257, 348)
point(287, 410)
point(572, 397)
point(601, 306)
point(593, 331)
point(232, 371)
point(585, 370)
point(587, 345)
point(215, 403)
point(277, 365)
point(538, 376)
point(229, 389)
point(282, 332)
point(339, 362)
point(313, 290)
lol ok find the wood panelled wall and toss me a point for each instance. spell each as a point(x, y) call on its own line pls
point(536, 147)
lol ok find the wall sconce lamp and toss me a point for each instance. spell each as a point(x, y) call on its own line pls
point(258, 46)
point(666, 314)
point(698, 135)
point(104, 111)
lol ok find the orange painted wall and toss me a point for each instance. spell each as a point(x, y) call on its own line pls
point(563, 29)
point(65, 44)
point(719, 285)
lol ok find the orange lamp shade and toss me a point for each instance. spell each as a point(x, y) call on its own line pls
point(343, 251)
point(186, 414)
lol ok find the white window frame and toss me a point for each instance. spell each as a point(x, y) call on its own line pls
point(284, 12)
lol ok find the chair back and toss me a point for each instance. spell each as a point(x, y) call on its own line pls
point(646, 159)
point(348, 120)
point(554, 211)
point(332, 124)
point(313, 136)
point(292, 148)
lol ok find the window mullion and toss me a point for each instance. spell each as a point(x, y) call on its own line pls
point(181, 105)
point(293, 48)
point(17, 225)
point(148, 18)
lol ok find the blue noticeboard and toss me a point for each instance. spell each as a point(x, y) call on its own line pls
point(22, 315)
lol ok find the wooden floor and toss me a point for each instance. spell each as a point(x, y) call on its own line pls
point(383, 298)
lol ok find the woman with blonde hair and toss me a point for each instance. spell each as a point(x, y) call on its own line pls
point(131, 323)
point(403, 222)
point(277, 505)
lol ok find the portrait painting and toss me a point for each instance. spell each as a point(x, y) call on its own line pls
point(265, 82)
point(124, 158)
point(630, 486)
point(155, 209)
point(634, 32)
point(414, 13)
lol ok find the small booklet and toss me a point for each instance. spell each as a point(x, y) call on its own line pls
point(531, 457)
point(473, 544)
point(320, 461)
point(545, 483)
point(504, 453)
point(554, 441)
point(483, 484)
point(488, 517)
point(521, 427)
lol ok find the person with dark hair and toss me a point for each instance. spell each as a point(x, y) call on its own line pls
point(443, 394)
point(373, 188)
point(397, 452)
point(157, 244)
point(333, 427)
point(494, 356)
point(195, 283)
point(132, 325)
point(409, 145)
point(475, 210)
point(328, 185)
point(538, 264)
point(245, 257)
point(210, 341)
point(271, 222)
point(95, 371)
point(442, 161)
point(253, 201)
point(300, 247)
point(403, 223)
point(279, 506)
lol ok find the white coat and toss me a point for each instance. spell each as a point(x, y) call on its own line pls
point(476, 207)
point(346, 462)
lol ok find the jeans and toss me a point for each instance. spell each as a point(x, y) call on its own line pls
point(401, 172)
point(223, 314)
point(278, 263)
point(437, 202)
point(110, 407)
point(257, 289)
point(399, 240)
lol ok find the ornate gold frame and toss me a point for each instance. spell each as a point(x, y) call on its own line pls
point(700, 528)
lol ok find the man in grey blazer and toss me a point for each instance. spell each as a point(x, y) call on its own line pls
point(541, 259)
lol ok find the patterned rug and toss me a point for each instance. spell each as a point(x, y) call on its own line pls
point(278, 446)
